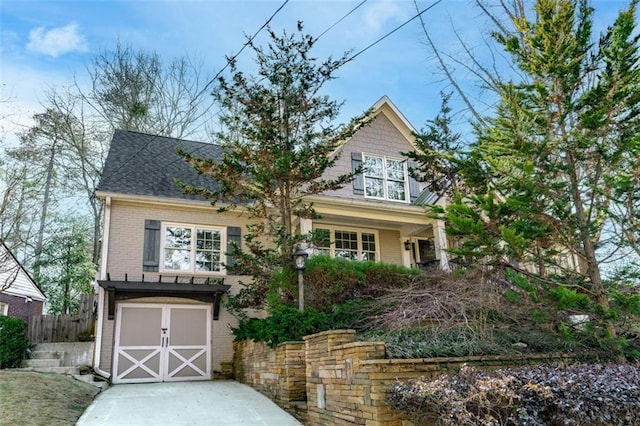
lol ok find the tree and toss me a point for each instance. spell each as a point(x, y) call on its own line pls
point(66, 268)
point(437, 148)
point(83, 150)
point(280, 139)
point(559, 154)
point(136, 90)
point(41, 144)
point(14, 202)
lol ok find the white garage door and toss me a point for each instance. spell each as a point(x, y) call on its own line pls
point(161, 343)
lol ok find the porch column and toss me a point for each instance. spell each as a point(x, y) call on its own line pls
point(406, 254)
point(306, 226)
point(440, 240)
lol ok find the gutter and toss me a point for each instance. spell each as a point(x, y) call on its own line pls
point(101, 294)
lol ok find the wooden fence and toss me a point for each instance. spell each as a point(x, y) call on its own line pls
point(64, 328)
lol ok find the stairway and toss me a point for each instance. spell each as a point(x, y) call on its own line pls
point(61, 358)
point(46, 361)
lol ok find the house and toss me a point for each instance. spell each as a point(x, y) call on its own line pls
point(162, 275)
point(20, 296)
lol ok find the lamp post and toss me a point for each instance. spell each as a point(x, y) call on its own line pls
point(300, 263)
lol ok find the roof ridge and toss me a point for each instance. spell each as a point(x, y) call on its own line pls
point(166, 137)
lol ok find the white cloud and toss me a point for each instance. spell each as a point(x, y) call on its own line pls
point(57, 41)
point(383, 11)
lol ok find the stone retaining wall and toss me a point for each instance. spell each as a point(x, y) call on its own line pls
point(278, 373)
point(347, 382)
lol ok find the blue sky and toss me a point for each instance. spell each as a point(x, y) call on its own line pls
point(46, 43)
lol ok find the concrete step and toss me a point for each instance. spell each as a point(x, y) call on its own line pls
point(89, 378)
point(41, 362)
point(47, 355)
point(73, 353)
point(53, 370)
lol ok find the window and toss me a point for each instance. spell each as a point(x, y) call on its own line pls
point(349, 244)
point(385, 178)
point(192, 249)
point(4, 308)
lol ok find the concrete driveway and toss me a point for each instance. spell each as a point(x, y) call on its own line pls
point(184, 403)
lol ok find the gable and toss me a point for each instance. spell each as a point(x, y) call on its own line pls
point(387, 136)
point(380, 137)
point(22, 285)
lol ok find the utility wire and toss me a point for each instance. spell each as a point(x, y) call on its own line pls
point(324, 32)
point(391, 32)
point(247, 43)
point(341, 19)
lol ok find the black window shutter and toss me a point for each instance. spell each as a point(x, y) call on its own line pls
point(234, 234)
point(358, 181)
point(151, 248)
point(414, 186)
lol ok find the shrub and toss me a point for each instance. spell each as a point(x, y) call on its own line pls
point(465, 341)
point(333, 281)
point(541, 395)
point(14, 344)
point(329, 282)
point(285, 323)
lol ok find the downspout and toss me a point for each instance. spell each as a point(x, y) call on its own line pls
point(101, 294)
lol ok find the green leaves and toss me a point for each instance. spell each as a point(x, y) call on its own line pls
point(552, 183)
point(280, 138)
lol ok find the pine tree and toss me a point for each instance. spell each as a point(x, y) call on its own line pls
point(280, 138)
point(554, 172)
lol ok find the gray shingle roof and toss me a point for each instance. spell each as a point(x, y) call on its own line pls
point(143, 164)
point(426, 197)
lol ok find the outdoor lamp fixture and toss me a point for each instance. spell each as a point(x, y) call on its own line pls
point(407, 245)
point(300, 263)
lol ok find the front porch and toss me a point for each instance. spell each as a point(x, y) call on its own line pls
point(398, 233)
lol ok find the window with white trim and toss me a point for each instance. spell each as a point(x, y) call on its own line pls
point(192, 249)
point(385, 178)
point(4, 308)
point(352, 244)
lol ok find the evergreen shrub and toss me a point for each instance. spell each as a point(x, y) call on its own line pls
point(14, 343)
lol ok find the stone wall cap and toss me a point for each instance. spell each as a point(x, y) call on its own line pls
point(329, 332)
point(290, 342)
point(476, 358)
point(356, 344)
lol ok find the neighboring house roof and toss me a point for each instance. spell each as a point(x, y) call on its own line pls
point(23, 285)
point(146, 165)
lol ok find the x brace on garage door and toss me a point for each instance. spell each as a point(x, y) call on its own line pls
point(161, 343)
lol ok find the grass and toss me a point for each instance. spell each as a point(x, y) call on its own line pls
point(28, 398)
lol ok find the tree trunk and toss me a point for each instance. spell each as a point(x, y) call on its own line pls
point(45, 207)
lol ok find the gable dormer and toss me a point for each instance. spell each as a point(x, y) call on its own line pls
point(378, 148)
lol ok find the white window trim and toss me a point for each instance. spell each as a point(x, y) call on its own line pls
point(192, 271)
point(358, 231)
point(385, 179)
point(4, 308)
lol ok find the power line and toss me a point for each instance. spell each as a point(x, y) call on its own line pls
point(391, 32)
point(341, 19)
point(247, 43)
